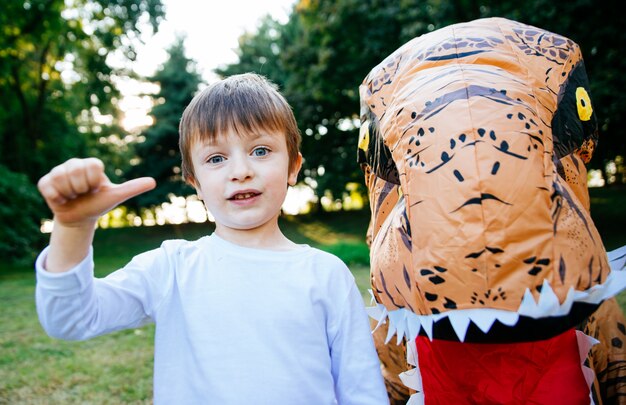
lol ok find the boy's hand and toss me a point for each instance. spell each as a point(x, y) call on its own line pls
point(78, 191)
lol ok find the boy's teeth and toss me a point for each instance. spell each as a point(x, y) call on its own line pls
point(243, 196)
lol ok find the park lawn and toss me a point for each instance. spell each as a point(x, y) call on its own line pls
point(117, 368)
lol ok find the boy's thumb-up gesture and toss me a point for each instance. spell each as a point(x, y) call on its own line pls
point(78, 191)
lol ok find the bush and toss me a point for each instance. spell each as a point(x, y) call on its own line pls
point(351, 252)
point(21, 210)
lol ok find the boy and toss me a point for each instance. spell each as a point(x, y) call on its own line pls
point(242, 316)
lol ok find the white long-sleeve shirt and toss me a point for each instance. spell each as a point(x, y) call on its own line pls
point(234, 325)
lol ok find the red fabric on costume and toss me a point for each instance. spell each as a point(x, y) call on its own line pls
point(542, 372)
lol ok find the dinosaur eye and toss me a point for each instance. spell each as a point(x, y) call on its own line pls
point(583, 103)
point(364, 136)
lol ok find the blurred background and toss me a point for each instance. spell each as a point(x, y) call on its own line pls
point(110, 78)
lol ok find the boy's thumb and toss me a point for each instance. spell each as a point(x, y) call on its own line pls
point(124, 191)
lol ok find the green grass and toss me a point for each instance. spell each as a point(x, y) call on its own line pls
point(117, 368)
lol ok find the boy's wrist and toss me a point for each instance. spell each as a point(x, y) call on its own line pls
point(87, 224)
point(69, 244)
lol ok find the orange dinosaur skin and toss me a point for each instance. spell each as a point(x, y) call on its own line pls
point(484, 213)
point(608, 358)
point(473, 144)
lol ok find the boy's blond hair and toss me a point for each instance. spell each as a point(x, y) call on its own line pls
point(247, 104)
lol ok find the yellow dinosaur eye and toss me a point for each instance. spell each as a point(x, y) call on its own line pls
point(364, 136)
point(583, 103)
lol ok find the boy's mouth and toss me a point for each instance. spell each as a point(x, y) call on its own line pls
point(243, 196)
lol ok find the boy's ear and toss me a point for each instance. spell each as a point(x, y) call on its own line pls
point(293, 173)
point(192, 182)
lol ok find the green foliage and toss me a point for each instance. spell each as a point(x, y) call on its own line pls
point(21, 208)
point(54, 75)
point(322, 54)
point(260, 52)
point(54, 81)
point(158, 154)
point(352, 253)
point(599, 31)
point(320, 57)
point(609, 215)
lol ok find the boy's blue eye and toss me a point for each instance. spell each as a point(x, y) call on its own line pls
point(262, 151)
point(215, 159)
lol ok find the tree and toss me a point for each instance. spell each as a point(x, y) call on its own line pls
point(598, 29)
point(259, 52)
point(56, 85)
point(319, 58)
point(313, 64)
point(329, 50)
point(158, 154)
point(20, 238)
point(56, 77)
point(322, 54)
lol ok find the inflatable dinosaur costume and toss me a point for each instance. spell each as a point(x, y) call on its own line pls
point(484, 257)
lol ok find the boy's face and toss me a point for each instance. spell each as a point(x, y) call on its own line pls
point(243, 179)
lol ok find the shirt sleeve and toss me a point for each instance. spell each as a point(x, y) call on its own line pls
point(355, 363)
point(75, 305)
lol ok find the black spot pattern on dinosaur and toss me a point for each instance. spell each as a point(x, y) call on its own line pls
point(490, 295)
point(449, 304)
point(436, 280)
point(616, 342)
point(431, 297)
point(537, 265)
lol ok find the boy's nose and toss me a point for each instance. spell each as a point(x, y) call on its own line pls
point(241, 170)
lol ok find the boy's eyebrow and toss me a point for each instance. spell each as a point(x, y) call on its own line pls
point(260, 134)
point(256, 135)
point(251, 135)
